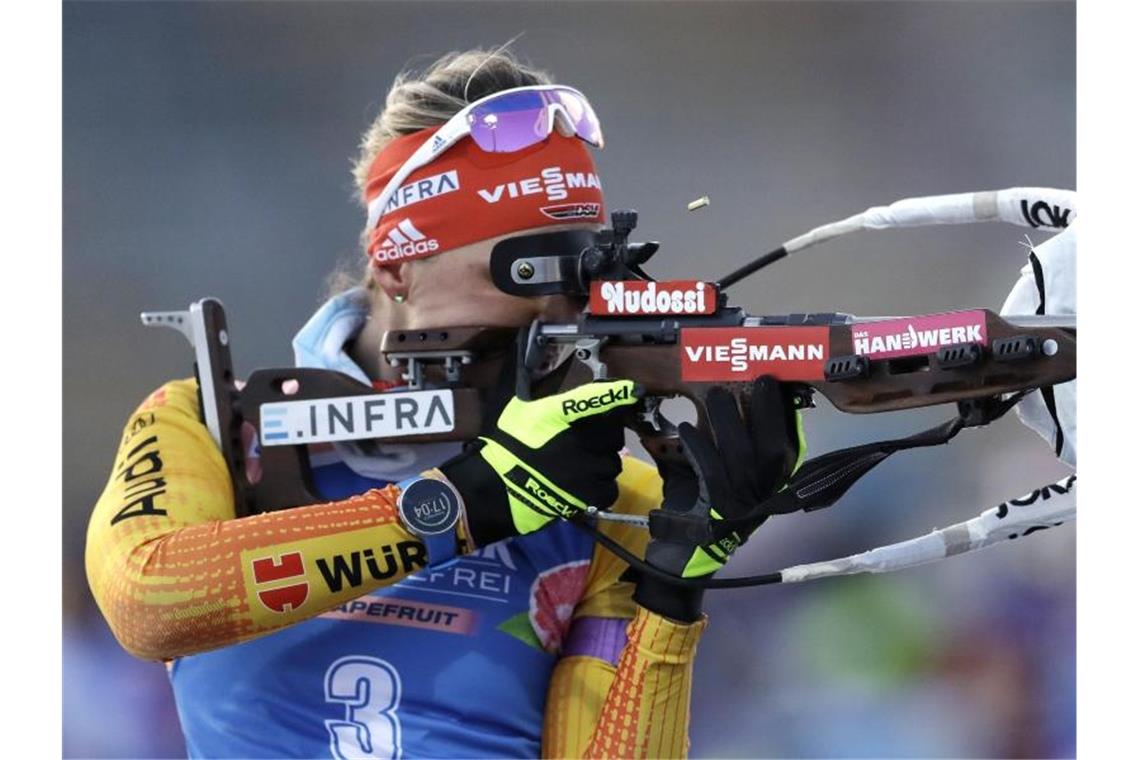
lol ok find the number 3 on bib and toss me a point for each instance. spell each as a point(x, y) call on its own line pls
point(369, 689)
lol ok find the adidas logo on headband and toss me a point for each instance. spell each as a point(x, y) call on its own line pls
point(405, 240)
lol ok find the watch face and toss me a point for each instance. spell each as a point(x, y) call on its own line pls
point(429, 507)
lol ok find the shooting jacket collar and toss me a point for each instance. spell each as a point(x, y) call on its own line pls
point(321, 344)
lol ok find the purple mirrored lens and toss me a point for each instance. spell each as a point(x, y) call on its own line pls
point(519, 120)
point(512, 122)
point(585, 121)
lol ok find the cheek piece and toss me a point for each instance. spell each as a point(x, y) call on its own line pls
point(466, 195)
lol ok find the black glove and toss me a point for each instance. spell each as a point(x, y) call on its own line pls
point(726, 476)
point(544, 459)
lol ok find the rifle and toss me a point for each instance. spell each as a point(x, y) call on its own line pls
point(676, 338)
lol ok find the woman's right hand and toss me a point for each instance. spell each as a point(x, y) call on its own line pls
point(544, 459)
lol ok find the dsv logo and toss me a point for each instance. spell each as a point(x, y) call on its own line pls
point(1054, 216)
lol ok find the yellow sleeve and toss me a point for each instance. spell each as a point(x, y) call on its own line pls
point(174, 572)
point(639, 491)
point(640, 707)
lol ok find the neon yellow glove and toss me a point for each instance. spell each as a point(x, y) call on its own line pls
point(545, 459)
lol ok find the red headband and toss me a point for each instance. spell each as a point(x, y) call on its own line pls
point(467, 195)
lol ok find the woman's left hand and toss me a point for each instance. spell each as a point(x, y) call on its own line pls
point(727, 474)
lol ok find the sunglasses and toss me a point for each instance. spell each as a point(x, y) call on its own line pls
point(503, 122)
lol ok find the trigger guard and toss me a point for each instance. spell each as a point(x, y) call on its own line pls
point(652, 417)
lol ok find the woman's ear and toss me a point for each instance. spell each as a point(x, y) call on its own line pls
point(393, 279)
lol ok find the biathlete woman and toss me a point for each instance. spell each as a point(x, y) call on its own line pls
point(340, 628)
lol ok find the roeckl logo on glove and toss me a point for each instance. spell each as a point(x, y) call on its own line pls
point(536, 493)
point(611, 396)
point(547, 498)
point(728, 544)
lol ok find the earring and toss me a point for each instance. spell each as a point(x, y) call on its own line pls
point(399, 298)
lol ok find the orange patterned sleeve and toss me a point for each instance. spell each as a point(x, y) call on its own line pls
point(174, 572)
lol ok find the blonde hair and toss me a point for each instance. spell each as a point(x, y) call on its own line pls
point(419, 101)
point(441, 91)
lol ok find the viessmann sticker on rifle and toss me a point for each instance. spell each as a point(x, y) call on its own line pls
point(636, 297)
point(746, 353)
point(350, 418)
point(911, 336)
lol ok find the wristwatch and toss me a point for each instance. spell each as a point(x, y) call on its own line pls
point(430, 509)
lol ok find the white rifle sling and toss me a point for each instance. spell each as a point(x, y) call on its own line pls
point(1048, 285)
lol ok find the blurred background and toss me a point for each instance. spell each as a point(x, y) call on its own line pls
point(206, 152)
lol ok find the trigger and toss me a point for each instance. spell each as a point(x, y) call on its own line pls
point(652, 417)
point(589, 351)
